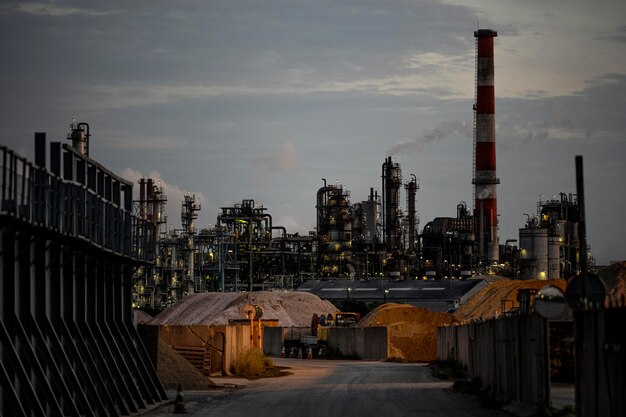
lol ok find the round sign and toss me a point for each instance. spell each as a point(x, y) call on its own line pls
point(595, 291)
point(550, 302)
point(258, 312)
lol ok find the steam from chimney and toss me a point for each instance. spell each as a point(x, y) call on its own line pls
point(443, 131)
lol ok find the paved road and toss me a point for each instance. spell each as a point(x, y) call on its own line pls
point(321, 388)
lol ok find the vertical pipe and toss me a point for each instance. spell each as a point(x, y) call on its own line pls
point(142, 199)
point(40, 149)
point(582, 230)
point(485, 180)
point(384, 202)
point(412, 192)
point(220, 260)
point(149, 199)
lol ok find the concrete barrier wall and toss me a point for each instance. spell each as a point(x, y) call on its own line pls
point(273, 341)
point(508, 354)
point(379, 348)
point(295, 333)
point(370, 343)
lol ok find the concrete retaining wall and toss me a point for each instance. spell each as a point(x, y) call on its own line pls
point(273, 341)
point(507, 354)
point(368, 343)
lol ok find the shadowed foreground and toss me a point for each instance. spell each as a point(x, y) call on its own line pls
point(338, 389)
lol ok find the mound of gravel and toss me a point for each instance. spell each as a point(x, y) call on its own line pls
point(173, 369)
point(291, 309)
point(614, 278)
point(141, 317)
point(487, 303)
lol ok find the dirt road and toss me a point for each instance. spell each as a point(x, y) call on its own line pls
point(321, 388)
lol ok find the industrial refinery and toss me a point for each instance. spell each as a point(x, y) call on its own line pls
point(374, 238)
point(105, 306)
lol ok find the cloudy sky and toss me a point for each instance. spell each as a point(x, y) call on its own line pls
point(260, 100)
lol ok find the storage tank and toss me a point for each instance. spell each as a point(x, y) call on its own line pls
point(533, 253)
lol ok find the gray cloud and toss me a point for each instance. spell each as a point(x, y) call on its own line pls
point(594, 113)
point(204, 92)
point(190, 42)
point(619, 35)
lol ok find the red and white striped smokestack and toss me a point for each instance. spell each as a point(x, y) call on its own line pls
point(485, 180)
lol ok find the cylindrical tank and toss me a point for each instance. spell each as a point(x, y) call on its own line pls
point(533, 253)
point(358, 221)
point(560, 228)
point(78, 137)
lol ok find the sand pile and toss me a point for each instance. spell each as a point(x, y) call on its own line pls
point(614, 278)
point(412, 330)
point(141, 317)
point(487, 303)
point(173, 369)
point(292, 309)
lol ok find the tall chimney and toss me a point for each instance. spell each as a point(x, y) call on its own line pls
point(485, 180)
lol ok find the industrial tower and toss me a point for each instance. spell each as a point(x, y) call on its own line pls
point(485, 180)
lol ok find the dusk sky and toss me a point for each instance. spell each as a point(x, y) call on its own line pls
point(234, 100)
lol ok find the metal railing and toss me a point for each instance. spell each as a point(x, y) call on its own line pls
point(37, 197)
point(68, 251)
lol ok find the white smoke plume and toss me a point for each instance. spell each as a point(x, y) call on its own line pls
point(283, 159)
point(443, 131)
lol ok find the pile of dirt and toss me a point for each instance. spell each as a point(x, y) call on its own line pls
point(488, 302)
point(614, 279)
point(291, 309)
point(141, 317)
point(173, 369)
point(412, 331)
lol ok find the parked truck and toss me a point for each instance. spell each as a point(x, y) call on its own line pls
point(337, 319)
point(302, 340)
